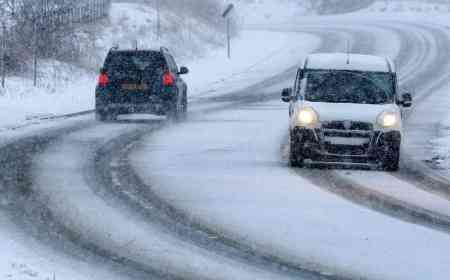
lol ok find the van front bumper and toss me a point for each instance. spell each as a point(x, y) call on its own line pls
point(345, 146)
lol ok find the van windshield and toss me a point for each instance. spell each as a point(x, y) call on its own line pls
point(350, 87)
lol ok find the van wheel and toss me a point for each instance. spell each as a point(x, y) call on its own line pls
point(391, 160)
point(296, 158)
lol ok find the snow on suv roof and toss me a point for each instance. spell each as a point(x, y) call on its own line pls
point(343, 61)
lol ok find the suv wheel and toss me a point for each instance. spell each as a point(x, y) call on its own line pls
point(391, 159)
point(184, 107)
point(101, 116)
point(296, 157)
point(173, 113)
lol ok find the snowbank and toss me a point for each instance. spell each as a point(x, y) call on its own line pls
point(61, 89)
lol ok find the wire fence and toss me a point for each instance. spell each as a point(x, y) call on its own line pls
point(32, 29)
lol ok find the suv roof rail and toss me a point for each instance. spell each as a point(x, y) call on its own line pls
point(306, 63)
point(114, 48)
point(164, 49)
point(390, 65)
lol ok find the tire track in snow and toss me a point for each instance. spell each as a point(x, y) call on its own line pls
point(120, 180)
point(29, 210)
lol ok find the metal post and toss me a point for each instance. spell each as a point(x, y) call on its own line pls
point(2, 55)
point(226, 15)
point(229, 37)
point(35, 50)
point(158, 19)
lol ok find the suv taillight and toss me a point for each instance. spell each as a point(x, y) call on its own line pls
point(168, 79)
point(103, 80)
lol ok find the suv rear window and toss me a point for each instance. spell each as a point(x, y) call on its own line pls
point(134, 63)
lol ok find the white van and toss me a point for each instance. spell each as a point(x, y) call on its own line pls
point(345, 108)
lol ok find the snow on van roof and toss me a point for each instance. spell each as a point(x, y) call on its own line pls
point(343, 61)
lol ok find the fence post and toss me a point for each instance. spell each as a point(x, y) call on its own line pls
point(2, 55)
point(35, 50)
point(158, 19)
point(229, 38)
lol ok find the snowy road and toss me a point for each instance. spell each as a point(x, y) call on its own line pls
point(213, 198)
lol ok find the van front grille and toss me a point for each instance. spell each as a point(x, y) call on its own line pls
point(348, 125)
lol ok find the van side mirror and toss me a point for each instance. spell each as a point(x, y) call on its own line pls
point(286, 95)
point(406, 100)
point(183, 70)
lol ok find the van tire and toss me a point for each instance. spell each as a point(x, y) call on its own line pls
point(296, 157)
point(391, 160)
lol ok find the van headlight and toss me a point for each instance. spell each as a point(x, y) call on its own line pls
point(388, 119)
point(307, 116)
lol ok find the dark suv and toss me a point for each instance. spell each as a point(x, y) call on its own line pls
point(140, 81)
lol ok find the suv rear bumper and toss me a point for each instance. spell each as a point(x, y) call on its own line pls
point(153, 104)
point(330, 146)
point(117, 109)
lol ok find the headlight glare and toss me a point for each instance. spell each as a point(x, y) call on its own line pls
point(388, 119)
point(307, 116)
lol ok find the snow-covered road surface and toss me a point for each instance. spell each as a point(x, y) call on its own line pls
point(225, 173)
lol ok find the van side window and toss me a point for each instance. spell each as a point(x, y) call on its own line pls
point(297, 83)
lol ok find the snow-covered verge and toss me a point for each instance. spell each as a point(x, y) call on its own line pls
point(61, 89)
point(440, 145)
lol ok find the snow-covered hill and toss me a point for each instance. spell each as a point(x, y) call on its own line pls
point(409, 6)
